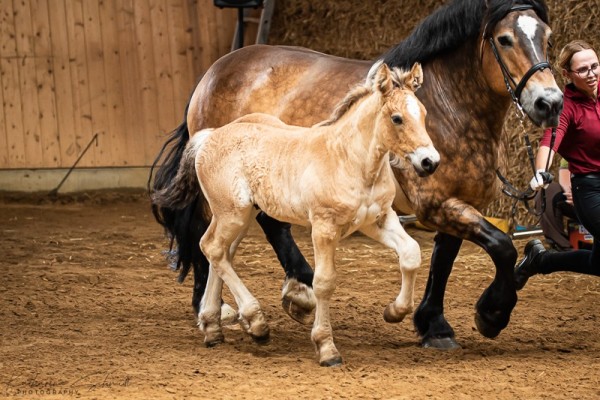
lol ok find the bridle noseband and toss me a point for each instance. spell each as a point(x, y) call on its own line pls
point(516, 93)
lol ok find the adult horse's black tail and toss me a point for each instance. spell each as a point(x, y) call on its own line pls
point(179, 206)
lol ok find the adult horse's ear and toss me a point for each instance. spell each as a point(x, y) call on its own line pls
point(383, 79)
point(414, 80)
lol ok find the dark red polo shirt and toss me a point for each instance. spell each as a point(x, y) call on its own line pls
point(578, 132)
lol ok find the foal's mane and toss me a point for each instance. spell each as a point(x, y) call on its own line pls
point(452, 25)
point(362, 90)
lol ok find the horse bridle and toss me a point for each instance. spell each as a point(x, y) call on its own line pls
point(508, 189)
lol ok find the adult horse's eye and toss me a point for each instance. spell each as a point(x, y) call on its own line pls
point(396, 119)
point(505, 41)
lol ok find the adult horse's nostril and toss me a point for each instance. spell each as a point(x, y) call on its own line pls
point(543, 105)
point(428, 165)
point(557, 105)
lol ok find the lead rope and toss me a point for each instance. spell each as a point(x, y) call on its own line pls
point(528, 194)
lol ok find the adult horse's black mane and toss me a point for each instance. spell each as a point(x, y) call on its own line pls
point(450, 26)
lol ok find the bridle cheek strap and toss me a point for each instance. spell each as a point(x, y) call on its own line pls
point(516, 94)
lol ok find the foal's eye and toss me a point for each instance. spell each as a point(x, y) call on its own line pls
point(505, 41)
point(396, 119)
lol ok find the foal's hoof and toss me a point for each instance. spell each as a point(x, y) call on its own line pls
point(298, 301)
point(299, 314)
point(334, 362)
point(440, 344)
point(264, 339)
point(485, 328)
point(392, 316)
point(212, 342)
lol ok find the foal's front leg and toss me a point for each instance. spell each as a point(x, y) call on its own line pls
point(325, 237)
point(390, 233)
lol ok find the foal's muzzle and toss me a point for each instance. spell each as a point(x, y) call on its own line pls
point(425, 160)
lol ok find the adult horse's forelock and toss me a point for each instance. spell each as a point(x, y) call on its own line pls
point(498, 9)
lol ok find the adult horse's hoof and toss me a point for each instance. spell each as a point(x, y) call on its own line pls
point(298, 301)
point(485, 328)
point(446, 343)
point(334, 362)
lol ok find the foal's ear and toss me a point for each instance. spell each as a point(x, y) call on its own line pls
point(414, 79)
point(383, 79)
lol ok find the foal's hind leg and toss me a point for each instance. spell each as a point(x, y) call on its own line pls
point(209, 316)
point(214, 313)
point(390, 233)
point(217, 246)
point(297, 297)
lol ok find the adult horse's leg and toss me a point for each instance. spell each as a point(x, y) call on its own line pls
point(429, 319)
point(497, 301)
point(297, 297)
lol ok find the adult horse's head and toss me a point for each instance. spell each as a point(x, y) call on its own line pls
point(514, 49)
point(401, 121)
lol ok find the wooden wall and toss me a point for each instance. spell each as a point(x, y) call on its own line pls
point(122, 69)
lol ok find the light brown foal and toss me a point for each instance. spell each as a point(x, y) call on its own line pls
point(334, 177)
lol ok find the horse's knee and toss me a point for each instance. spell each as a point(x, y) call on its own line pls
point(502, 250)
point(324, 286)
point(410, 255)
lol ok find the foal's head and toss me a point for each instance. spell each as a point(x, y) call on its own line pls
point(401, 120)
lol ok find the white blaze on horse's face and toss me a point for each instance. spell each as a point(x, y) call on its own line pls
point(529, 27)
point(419, 149)
point(412, 106)
point(521, 39)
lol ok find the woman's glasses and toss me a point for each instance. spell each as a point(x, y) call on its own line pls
point(583, 72)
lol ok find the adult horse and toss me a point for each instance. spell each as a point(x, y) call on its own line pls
point(478, 58)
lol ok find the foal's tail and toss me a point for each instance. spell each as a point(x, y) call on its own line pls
point(177, 201)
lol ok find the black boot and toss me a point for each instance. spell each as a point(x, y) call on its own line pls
point(529, 265)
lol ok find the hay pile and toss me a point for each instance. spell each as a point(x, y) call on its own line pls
point(365, 29)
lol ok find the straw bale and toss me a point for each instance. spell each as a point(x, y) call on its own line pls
point(366, 29)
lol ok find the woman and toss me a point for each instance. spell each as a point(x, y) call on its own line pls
point(577, 141)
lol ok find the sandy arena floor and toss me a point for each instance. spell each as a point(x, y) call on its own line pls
point(89, 309)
